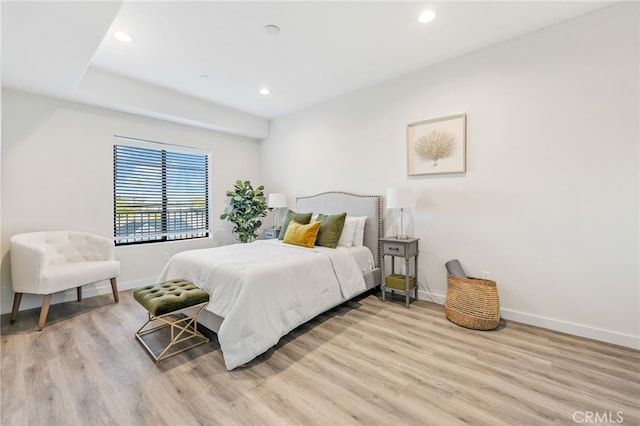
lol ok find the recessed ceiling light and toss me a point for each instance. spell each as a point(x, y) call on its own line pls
point(123, 37)
point(427, 16)
point(272, 30)
point(264, 91)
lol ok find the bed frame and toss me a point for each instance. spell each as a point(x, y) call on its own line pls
point(334, 202)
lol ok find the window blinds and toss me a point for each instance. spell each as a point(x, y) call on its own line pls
point(159, 194)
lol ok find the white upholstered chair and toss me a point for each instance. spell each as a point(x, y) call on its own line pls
point(48, 262)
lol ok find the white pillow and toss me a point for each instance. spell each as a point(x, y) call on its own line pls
point(358, 239)
point(348, 232)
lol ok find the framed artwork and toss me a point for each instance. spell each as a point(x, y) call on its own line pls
point(437, 145)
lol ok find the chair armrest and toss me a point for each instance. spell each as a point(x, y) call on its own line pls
point(28, 261)
point(103, 248)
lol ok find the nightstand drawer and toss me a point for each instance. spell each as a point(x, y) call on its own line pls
point(394, 249)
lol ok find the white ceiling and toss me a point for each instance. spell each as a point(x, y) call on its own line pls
point(325, 48)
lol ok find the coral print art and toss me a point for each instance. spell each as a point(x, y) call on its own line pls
point(437, 145)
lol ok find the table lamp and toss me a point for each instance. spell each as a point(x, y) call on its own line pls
point(277, 201)
point(401, 198)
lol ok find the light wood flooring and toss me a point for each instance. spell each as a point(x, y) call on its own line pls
point(365, 362)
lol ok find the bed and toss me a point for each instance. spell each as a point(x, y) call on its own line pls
point(261, 291)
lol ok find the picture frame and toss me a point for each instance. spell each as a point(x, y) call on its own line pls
point(437, 145)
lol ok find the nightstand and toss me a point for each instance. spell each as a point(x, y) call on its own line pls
point(402, 284)
point(271, 233)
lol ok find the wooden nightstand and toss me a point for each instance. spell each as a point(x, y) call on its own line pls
point(271, 233)
point(403, 284)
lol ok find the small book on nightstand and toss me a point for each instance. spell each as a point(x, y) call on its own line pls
point(271, 233)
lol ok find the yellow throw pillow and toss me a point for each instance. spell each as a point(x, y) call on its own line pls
point(302, 235)
point(303, 218)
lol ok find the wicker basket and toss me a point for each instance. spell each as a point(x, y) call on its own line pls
point(472, 303)
point(397, 282)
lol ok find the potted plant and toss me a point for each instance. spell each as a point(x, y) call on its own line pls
point(246, 207)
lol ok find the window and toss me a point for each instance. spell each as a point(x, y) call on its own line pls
point(160, 193)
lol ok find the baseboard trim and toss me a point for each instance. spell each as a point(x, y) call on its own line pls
point(572, 328)
point(553, 324)
point(98, 290)
point(431, 297)
point(32, 301)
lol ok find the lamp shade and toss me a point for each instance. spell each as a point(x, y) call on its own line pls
point(398, 198)
point(277, 200)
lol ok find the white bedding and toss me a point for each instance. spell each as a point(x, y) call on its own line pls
point(267, 288)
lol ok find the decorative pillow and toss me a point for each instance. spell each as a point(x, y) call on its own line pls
point(301, 235)
point(348, 232)
point(358, 239)
point(330, 229)
point(303, 218)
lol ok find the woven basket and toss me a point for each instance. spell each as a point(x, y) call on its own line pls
point(472, 303)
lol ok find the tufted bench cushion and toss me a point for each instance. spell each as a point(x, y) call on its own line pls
point(170, 296)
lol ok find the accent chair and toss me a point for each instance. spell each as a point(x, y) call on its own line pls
point(48, 262)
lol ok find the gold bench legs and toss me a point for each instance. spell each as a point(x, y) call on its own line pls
point(183, 328)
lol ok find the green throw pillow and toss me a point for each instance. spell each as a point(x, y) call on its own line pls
point(330, 229)
point(302, 218)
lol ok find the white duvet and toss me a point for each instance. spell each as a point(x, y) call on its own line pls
point(265, 289)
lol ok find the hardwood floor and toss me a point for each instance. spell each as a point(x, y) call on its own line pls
point(365, 362)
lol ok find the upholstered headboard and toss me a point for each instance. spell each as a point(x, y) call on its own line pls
point(354, 205)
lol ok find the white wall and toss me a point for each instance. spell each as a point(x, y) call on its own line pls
point(57, 173)
point(549, 202)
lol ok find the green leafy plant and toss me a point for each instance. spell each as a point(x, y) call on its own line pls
point(246, 207)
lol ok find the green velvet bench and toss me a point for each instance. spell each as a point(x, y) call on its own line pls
point(175, 304)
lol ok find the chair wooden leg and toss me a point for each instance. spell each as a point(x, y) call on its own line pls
point(17, 298)
point(79, 290)
point(44, 311)
point(114, 288)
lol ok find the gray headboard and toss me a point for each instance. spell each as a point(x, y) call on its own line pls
point(355, 205)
